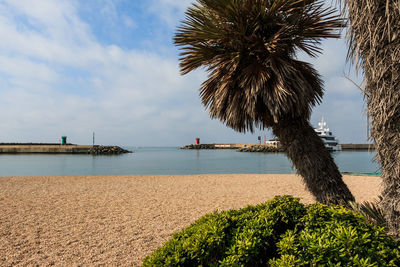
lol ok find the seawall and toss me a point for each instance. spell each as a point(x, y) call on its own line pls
point(216, 146)
point(358, 146)
point(60, 149)
point(258, 147)
point(238, 147)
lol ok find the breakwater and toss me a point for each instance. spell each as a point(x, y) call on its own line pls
point(270, 148)
point(34, 144)
point(215, 146)
point(32, 148)
point(358, 147)
point(207, 146)
point(238, 147)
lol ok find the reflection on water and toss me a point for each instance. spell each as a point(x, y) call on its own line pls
point(170, 160)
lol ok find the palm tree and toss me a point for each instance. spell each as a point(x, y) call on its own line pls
point(374, 45)
point(248, 48)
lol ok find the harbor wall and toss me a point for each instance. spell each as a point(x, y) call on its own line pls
point(44, 149)
point(217, 146)
point(60, 149)
point(358, 147)
point(353, 147)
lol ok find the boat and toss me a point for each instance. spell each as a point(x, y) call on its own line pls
point(330, 142)
point(274, 142)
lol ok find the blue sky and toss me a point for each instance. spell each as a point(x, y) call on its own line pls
point(109, 66)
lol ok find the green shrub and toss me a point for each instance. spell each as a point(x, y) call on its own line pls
point(329, 235)
point(238, 237)
point(280, 232)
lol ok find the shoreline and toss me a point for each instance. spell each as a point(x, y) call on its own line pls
point(92, 220)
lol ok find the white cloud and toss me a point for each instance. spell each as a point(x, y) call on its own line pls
point(62, 42)
point(31, 71)
point(169, 10)
point(60, 80)
point(121, 89)
point(57, 19)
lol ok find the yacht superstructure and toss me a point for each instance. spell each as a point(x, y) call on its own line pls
point(331, 143)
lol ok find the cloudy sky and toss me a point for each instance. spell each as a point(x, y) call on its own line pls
point(74, 67)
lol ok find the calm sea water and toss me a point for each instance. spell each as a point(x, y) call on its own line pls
point(169, 160)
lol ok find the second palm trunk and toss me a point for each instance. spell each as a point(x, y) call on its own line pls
point(312, 160)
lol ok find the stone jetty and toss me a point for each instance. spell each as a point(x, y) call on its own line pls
point(269, 148)
point(37, 148)
point(238, 147)
point(201, 146)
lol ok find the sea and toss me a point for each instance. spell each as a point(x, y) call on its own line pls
point(171, 161)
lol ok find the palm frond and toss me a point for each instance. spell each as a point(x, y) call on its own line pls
point(371, 211)
point(248, 48)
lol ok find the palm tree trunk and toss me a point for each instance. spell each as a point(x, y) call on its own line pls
point(388, 154)
point(374, 28)
point(312, 160)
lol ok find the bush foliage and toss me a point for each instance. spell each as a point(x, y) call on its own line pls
point(280, 232)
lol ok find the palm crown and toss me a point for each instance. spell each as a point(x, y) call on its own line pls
point(248, 48)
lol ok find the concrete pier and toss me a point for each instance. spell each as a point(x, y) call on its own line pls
point(358, 147)
point(216, 146)
point(59, 149)
point(350, 147)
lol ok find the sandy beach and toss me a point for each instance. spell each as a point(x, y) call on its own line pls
point(118, 220)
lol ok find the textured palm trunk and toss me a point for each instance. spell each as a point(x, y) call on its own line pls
point(388, 154)
point(374, 37)
point(313, 161)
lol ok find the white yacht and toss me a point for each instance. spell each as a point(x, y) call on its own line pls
point(331, 143)
point(274, 142)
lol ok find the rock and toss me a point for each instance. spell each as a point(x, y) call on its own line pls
point(107, 150)
point(260, 148)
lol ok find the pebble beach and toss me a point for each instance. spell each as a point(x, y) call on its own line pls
point(118, 220)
